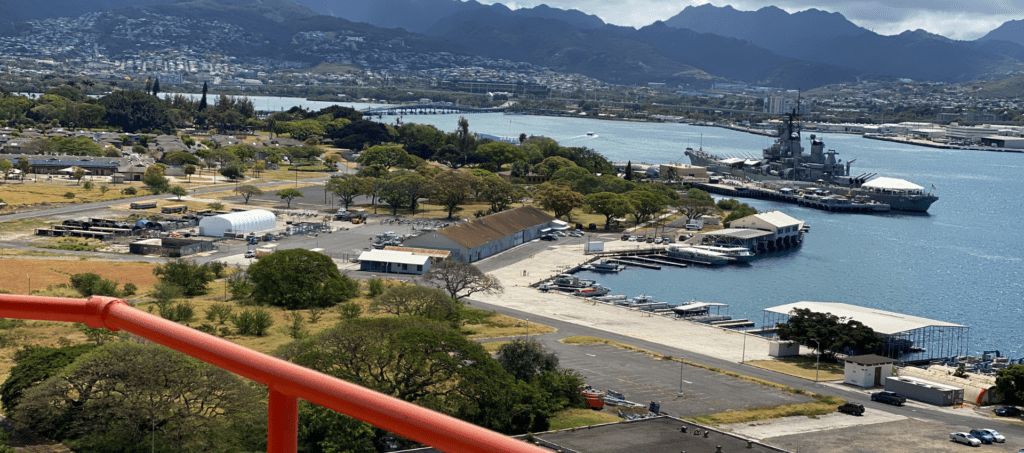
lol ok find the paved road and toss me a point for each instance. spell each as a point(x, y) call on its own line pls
point(944, 417)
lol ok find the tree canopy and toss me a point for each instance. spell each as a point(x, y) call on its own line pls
point(462, 280)
point(300, 279)
point(119, 395)
point(136, 111)
point(834, 334)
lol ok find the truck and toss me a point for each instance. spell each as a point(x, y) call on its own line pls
point(265, 250)
point(353, 215)
point(889, 397)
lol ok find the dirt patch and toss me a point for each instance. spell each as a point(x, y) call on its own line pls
point(48, 272)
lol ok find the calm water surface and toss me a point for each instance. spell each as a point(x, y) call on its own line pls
point(961, 263)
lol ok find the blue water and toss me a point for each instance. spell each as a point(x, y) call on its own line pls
point(961, 263)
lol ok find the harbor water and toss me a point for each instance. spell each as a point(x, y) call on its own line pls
point(960, 263)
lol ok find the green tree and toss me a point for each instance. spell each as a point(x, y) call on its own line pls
point(247, 191)
point(233, 171)
point(193, 278)
point(1009, 383)
point(134, 111)
point(5, 167)
point(500, 195)
point(608, 204)
point(347, 188)
point(462, 280)
point(452, 189)
point(35, 365)
point(835, 335)
point(526, 359)
point(645, 204)
point(178, 191)
point(78, 173)
point(415, 300)
point(89, 284)
point(558, 198)
point(288, 195)
point(499, 154)
point(24, 166)
point(189, 170)
point(628, 174)
point(154, 178)
point(125, 397)
point(300, 279)
point(739, 212)
point(384, 156)
point(550, 165)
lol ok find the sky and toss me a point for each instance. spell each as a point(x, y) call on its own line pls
point(955, 19)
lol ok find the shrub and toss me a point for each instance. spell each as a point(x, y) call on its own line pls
point(129, 289)
point(129, 191)
point(104, 188)
point(315, 314)
point(88, 185)
point(218, 268)
point(69, 195)
point(181, 312)
point(254, 321)
point(350, 310)
point(376, 287)
point(296, 330)
point(219, 312)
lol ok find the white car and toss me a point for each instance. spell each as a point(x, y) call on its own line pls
point(250, 254)
point(964, 438)
point(995, 434)
point(632, 239)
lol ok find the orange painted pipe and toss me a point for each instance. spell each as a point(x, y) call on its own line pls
point(286, 381)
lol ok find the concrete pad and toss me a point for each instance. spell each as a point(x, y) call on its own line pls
point(800, 425)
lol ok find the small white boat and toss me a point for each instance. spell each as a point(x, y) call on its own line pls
point(604, 266)
point(689, 253)
point(736, 252)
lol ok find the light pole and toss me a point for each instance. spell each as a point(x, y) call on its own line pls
point(744, 356)
point(527, 328)
point(817, 357)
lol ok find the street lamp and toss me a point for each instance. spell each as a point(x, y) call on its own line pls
point(817, 357)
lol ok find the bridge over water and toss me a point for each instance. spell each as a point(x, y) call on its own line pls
point(427, 109)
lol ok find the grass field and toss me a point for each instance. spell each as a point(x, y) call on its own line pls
point(822, 406)
point(803, 367)
point(578, 418)
point(17, 194)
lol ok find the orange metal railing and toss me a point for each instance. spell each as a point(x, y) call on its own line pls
point(287, 382)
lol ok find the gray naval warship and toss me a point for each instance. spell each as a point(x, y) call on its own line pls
point(785, 160)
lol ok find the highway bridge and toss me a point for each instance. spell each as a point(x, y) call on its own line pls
point(427, 109)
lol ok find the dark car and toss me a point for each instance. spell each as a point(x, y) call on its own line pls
point(1007, 411)
point(889, 397)
point(549, 237)
point(852, 408)
point(984, 436)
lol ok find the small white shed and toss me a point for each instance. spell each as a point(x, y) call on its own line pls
point(867, 370)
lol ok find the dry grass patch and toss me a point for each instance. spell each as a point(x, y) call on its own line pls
point(577, 418)
point(493, 346)
point(12, 226)
point(802, 367)
point(48, 272)
point(480, 324)
point(822, 406)
point(52, 192)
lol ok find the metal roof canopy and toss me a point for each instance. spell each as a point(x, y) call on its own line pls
point(739, 233)
point(881, 321)
point(394, 257)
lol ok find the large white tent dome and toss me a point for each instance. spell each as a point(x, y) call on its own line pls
point(244, 222)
